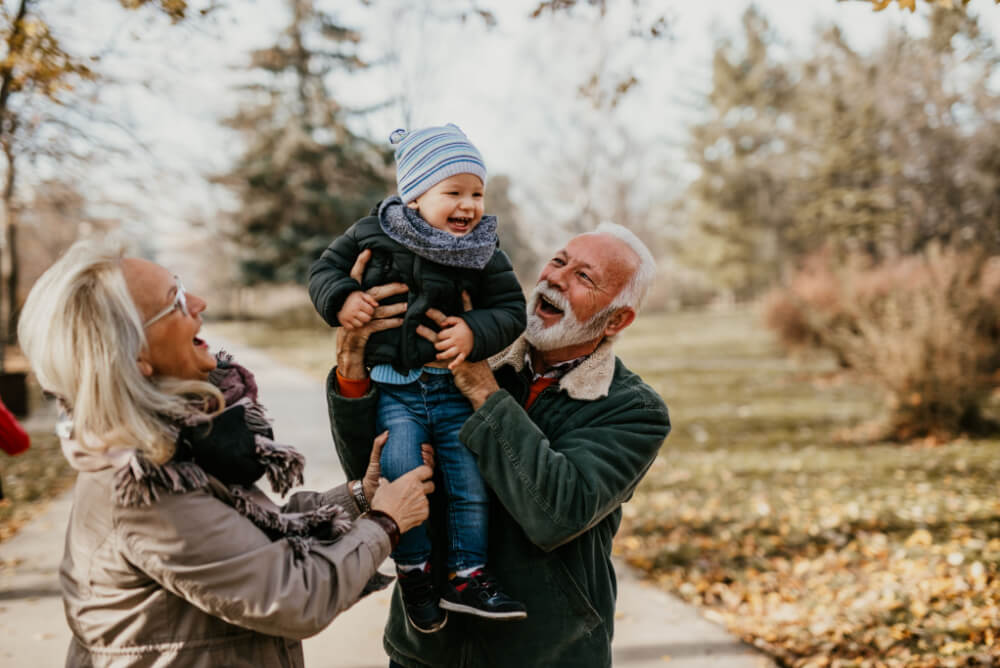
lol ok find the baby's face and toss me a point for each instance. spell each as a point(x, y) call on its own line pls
point(454, 205)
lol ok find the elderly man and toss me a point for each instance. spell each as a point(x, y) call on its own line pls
point(562, 433)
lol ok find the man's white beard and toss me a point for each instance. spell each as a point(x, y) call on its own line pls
point(569, 331)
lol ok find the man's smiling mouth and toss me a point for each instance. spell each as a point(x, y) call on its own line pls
point(547, 307)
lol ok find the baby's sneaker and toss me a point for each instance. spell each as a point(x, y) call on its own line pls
point(479, 594)
point(420, 600)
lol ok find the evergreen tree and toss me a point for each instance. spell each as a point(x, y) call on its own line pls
point(883, 153)
point(305, 176)
point(739, 230)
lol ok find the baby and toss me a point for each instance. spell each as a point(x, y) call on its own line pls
point(434, 238)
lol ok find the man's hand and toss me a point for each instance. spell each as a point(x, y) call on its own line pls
point(351, 342)
point(454, 341)
point(357, 311)
point(473, 379)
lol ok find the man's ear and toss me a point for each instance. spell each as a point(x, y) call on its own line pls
point(621, 319)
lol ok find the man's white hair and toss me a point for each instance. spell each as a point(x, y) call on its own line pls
point(82, 334)
point(635, 291)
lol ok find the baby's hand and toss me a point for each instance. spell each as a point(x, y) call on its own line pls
point(357, 311)
point(454, 341)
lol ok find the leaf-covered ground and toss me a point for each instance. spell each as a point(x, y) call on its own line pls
point(759, 510)
point(32, 478)
point(821, 552)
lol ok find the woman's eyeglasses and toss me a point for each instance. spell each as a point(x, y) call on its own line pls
point(180, 302)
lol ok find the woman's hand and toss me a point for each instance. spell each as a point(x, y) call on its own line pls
point(405, 498)
point(373, 474)
point(351, 342)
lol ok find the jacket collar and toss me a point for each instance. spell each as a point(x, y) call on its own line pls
point(589, 381)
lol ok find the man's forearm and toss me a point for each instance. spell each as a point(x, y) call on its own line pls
point(352, 425)
point(351, 356)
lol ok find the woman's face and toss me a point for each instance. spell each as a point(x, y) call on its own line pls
point(174, 348)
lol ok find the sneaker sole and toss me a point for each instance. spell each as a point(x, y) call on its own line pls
point(432, 630)
point(469, 610)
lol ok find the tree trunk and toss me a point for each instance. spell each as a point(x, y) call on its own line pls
point(10, 234)
point(13, 278)
point(7, 126)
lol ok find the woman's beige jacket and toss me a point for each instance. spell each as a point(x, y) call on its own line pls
point(189, 581)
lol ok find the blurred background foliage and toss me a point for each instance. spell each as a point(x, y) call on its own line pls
point(879, 154)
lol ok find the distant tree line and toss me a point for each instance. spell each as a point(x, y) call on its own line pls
point(861, 191)
point(879, 153)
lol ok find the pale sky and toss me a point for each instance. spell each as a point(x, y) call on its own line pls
point(512, 88)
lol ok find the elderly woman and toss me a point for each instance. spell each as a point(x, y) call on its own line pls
point(173, 555)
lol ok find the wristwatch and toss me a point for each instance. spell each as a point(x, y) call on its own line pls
point(358, 490)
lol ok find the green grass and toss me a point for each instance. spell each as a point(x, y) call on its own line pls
point(764, 512)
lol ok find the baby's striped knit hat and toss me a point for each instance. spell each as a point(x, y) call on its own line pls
point(428, 156)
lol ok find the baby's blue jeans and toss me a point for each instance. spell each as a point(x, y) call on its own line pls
point(432, 410)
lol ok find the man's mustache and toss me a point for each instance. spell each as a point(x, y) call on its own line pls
point(554, 297)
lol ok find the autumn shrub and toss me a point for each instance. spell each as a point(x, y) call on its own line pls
point(926, 328)
point(788, 310)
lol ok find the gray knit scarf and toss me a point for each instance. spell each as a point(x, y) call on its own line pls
point(405, 226)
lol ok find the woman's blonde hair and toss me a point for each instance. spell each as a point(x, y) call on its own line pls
point(82, 335)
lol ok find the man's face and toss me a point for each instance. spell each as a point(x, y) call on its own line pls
point(571, 302)
point(454, 205)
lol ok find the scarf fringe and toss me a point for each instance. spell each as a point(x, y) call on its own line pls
point(255, 416)
point(283, 464)
point(300, 546)
point(329, 521)
point(140, 482)
point(375, 583)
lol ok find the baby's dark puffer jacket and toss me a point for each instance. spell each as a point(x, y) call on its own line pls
point(498, 313)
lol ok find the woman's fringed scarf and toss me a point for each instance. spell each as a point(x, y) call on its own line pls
point(236, 447)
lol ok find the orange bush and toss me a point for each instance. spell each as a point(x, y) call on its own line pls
point(925, 327)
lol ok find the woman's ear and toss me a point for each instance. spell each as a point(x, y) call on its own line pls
point(145, 368)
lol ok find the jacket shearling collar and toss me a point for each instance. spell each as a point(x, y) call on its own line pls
point(589, 381)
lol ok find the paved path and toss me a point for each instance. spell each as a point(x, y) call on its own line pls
point(652, 628)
